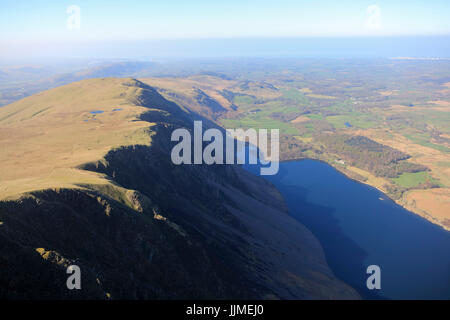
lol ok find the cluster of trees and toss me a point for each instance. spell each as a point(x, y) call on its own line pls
point(397, 168)
point(370, 155)
point(291, 148)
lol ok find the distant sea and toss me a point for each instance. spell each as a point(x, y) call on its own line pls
point(349, 47)
point(314, 47)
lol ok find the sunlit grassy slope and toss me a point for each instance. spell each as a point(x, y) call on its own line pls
point(45, 137)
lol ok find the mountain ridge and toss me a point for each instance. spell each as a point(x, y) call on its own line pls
point(140, 227)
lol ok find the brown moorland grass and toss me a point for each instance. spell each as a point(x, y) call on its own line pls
point(435, 201)
point(45, 137)
point(301, 119)
point(187, 86)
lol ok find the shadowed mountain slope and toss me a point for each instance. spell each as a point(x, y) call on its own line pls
point(86, 179)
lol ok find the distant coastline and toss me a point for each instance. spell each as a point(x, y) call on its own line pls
point(420, 58)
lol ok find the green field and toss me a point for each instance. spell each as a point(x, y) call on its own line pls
point(411, 180)
point(259, 123)
point(244, 102)
point(424, 140)
point(295, 95)
point(354, 119)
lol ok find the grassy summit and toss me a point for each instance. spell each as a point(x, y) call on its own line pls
point(45, 137)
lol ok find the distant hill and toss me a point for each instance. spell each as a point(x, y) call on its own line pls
point(119, 69)
point(20, 82)
point(86, 179)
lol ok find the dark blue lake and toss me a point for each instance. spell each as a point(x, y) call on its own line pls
point(357, 229)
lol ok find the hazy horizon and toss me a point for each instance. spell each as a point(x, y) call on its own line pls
point(342, 47)
point(52, 30)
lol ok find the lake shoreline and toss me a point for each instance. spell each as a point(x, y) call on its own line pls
point(357, 229)
point(417, 211)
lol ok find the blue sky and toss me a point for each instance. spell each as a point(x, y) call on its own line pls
point(101, 19)
point(39, 23)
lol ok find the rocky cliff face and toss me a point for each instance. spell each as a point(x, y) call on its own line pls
point(160, 231)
